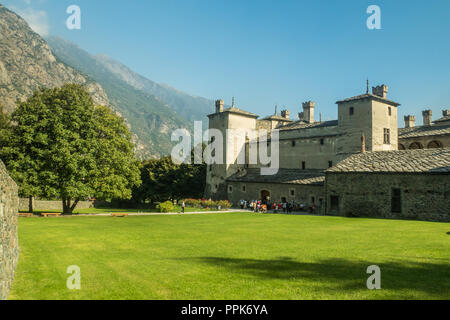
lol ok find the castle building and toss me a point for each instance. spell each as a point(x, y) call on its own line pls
point(311, 150)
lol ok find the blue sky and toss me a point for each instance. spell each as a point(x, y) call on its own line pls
point(269, 52)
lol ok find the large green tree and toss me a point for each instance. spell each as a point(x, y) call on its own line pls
point(62, 146)
point(162, 180)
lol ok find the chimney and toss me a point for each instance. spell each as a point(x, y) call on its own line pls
point(219, 106)
point(445, 113)
point(308, 111)
point(285, 114)
point(380, 91)
point(363, 143)
point(427, 117)
point(301, 116)
point(410, 121)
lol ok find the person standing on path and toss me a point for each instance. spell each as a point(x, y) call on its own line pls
point(182, 206)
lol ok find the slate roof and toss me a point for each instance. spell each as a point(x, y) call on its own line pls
point(300, 124)
point(238, 111)
point(287, 176)
point(413, 161)
point(277, 117)
point(443, 119)
point(369, 96)
point(422, 131)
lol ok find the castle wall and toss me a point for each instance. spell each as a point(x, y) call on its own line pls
point(423, 196)
point(308, 150)
point(425, 140)
point(382, 120)
point(302, 193)
point(352, 126)
point(9, 244)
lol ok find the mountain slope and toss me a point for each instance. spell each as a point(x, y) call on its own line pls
point(151, 119)
point(189, 107)
point(27, 63)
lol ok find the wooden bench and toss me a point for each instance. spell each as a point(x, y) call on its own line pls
point(119, 214)
point(54, 214)
point(25, 215)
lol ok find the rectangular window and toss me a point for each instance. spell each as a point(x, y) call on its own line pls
point(351, 111)
point(396, 200)
point(330, 164)
point(387, 136)
point(334, 203)
point(243, 189)
point(390, 111)
point(293, 143)
point(292, 191)
point(230, 189)
point(303, 165)
point(322, 141)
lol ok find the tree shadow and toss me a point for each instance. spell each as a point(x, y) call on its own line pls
point(430, 278)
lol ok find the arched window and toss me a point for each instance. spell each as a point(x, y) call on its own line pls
point(415, 145)
point(401, 147)
point(434, 144)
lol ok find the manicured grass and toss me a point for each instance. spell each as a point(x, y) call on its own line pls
point(232, 256)
point(112, 210)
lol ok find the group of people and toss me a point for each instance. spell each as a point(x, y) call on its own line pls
point(275, 207)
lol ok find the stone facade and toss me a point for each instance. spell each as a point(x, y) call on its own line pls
point(421, 196)
point(408, 184)
point(9, 245)
point(367, 125)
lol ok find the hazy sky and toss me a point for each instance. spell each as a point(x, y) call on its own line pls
point(268, 52)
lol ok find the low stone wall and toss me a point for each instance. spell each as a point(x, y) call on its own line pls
point(421, 196)
point(42, 205)
point(9, 244)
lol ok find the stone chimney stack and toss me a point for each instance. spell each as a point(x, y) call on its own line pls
point(308, 111)
point(285, 114)
point(410, 121)
point(427, 119)
point(380, 91)
point(301, 116)
point(363, 143)
point(445, 113)
point(219, 106)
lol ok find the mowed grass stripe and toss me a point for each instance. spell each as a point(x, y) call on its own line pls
point(232, 256)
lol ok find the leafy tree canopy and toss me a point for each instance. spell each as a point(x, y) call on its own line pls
point(63, 146)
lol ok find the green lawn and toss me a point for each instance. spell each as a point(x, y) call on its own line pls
point(111, 210)
point(232, 256)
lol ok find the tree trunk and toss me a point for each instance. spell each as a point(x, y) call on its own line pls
point(68, 207)
point(30, 204)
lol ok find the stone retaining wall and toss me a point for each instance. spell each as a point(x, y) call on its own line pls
point(9, 244)
point(42, 205)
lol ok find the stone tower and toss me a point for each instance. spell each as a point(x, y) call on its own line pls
point(371, 115)
point(223, 120)
point(308, 111)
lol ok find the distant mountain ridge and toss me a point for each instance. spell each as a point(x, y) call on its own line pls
point(135, 96)
point(188, 106)
point(27, 63)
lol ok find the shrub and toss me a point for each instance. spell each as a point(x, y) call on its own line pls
point(203, 203)
point(224, 204)
point(165, 207)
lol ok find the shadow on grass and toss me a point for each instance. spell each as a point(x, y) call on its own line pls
point(430, 278)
